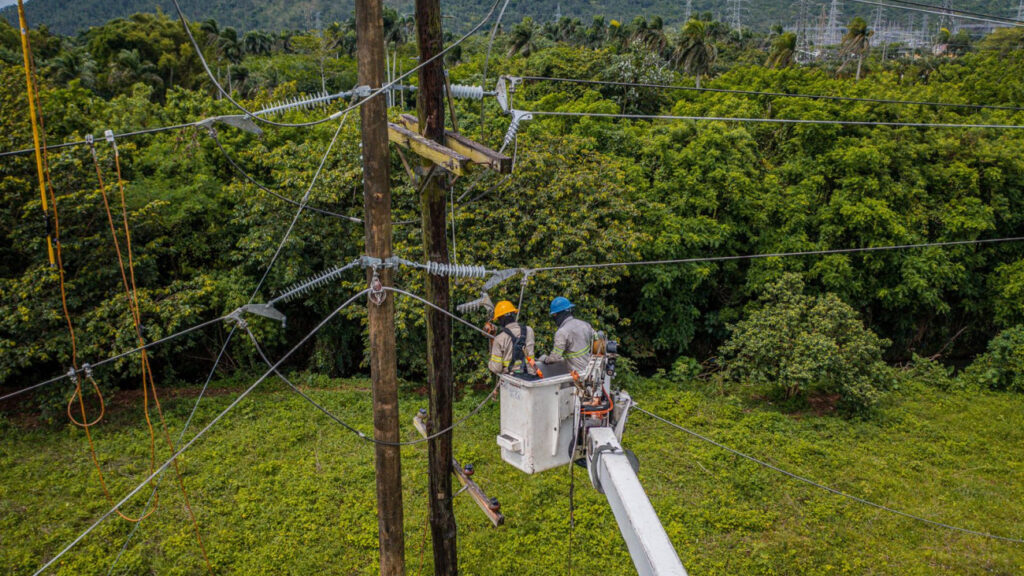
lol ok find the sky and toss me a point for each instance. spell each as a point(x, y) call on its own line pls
point(6, 3)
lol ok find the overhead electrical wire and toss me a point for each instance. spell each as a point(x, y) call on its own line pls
point(805, 480)
point(279, 196)
point(350, 428)
point(200, 433)
point(940, 11)
point(81, 371)
point(579, 267)
point(302, 206)
point(776, 120)
point(487, 59)
point(772, 94)
point(373, 94)
point(958, 11)
point(181, 437)
point(776, 254)
point(84, 142)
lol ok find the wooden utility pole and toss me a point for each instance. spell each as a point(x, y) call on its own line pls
point(430, 108)
point(383, 370)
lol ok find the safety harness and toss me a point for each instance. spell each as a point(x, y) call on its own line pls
point(518, 350)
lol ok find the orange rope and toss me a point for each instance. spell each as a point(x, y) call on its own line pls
point(147, 370)
point(84, 422)
point(147, 374)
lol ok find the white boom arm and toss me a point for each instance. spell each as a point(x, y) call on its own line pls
point(612, 474)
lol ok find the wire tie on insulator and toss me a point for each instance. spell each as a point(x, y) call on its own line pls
point(73, 376)
point(87, 368)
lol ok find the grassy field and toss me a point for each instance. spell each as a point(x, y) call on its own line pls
point(280, 489)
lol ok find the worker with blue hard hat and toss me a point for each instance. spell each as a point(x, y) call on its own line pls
point(573, 339)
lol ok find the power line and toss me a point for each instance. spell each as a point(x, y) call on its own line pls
point(357, 432)
point(181, 436)
point(778, 254)
point(283, 198)
point(199, 434)
point(940, 11)
point(84, 142)
point(147, 346)
point(774, 94)
point(958, 12)
point(827, 488)
point(302, 205)
point(373, 94)
point(776, 120)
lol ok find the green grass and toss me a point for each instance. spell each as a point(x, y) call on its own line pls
point(279, 489)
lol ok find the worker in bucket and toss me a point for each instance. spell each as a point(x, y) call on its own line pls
point(573, 339)
point(512, 347)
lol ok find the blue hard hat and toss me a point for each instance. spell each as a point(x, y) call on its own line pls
point(560, 304)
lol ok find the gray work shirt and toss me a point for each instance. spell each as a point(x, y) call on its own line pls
point(573, 340)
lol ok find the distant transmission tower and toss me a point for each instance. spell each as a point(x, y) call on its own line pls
point(735, 15)
point(802, 47)
point(689, 10)
point(947, 18)
point(835, 13)
point(822, 38)
point(1020, 10)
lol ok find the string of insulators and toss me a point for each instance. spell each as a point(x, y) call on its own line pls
point(300, 103)
point(312, 283)
point(467, 92)
point(513, 128)
point(454, 270)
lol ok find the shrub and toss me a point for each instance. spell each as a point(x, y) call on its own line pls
point(795, 344)
point(931, 373)
point(1001, 367)
point(685, 369)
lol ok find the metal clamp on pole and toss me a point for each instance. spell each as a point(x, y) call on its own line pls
point(377, 294)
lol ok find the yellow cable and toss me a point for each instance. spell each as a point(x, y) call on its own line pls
point(26, 50)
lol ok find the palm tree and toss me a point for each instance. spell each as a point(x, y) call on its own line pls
point(695, 51)
point(856, 43)
point(523, 38)
point(783, 51)
point(257, 43)
point(129, 67)
point(74, 63)
point(596, 32)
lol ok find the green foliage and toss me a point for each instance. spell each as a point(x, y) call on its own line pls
point(685, 369)
point(1001, 367)
point(305, 490)
point(931, 373)
point(795, 344)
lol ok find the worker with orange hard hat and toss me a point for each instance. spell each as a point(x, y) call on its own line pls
point(512, 348)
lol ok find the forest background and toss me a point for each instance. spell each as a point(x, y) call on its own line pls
point(883, 338)
point(627, 191)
